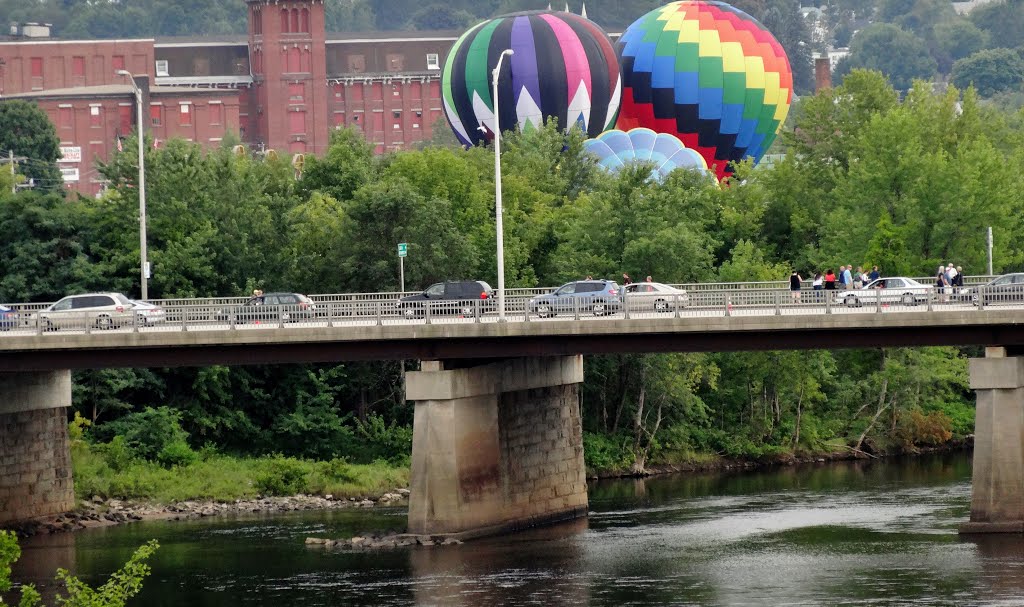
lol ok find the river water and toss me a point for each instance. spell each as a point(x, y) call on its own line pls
point(854, 533)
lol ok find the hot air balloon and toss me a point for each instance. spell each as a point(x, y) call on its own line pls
point(563, 67)
point(614, 149)
point(708, 73)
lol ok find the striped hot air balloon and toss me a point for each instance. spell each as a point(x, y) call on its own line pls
point(615, 149)
point(564, 67)
point(709, 74)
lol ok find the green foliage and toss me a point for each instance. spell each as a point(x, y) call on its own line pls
point(122, 585)
point(899, 54)
point(989, 71)
point(26, 130)
point(607, 453)
point(151, 434)
point(282, 476)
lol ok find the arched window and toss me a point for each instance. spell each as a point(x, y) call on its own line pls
point(294, 60)
point(284, 20)
point(305, 20)
point(295, 20)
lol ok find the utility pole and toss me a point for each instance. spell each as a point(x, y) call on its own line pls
point(990, 250)
point(14, 183)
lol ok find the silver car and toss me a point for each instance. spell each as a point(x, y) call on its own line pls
point(99, 310)
point(149, 314)
point(646, 296)
point(893, 290)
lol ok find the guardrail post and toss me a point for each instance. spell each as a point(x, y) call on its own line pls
point(675, 304)
point(426, 312)
point(232, 319)
point(135, 322)
point(184, 320)
point(379, 312)
point(930, 294)
point(778, 303)
point(728, 304)
point(477, 311)
point(625, 304)
point(981, 298)
point(828, 302)
point(576, 307)
point(878, 301)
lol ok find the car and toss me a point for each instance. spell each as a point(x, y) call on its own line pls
point(8, 318)
point(449, 297)
point(147, 313)
point(100, 310)
point(596, 297)
point(890, 290)
point(270, 307)
point(644, 296)
point(1008, 287)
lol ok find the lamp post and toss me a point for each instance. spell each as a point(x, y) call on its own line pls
point(497, 186)
point(142, 181)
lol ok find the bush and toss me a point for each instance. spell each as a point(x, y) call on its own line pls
point(282, 476)
point(150, 433)
point(177, 453)
point(116, 454)
point(604, 453)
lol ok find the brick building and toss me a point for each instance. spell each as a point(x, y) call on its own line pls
point(283, 86)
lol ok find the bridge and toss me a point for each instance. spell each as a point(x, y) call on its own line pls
point(497, 435)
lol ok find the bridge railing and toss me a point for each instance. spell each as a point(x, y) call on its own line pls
point(375, 309)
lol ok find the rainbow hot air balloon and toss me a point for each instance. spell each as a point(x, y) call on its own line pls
point(564, 67)
point(615, 149)
point(708, 73)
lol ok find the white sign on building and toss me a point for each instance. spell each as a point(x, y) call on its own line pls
point(69, 174)
point(71, 153)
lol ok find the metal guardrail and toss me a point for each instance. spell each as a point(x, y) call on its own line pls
point(373, 309)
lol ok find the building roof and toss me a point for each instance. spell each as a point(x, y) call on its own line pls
point(212, 40)
point(115, 90)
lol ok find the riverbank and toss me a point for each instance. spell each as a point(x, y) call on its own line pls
point(219, 485)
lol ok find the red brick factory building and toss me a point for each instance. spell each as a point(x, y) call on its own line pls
point(284, 86)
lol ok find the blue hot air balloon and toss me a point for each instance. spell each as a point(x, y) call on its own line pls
point(615, 149)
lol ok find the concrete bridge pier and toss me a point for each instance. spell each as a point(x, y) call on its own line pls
point(496, 447)
point(997, 491)
point(35, 457)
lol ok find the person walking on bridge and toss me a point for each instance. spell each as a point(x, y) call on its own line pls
point(830, 280)
point(794, 285)
point(848, 277)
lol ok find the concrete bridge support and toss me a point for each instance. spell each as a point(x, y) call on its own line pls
point(997, 492)
point(496, 447)
point(35, 458)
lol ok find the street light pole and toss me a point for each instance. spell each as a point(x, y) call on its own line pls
point(142, 182)
point(497, 187)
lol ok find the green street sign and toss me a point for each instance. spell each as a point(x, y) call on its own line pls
point(403, 249)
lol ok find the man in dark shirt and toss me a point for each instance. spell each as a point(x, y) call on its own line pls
point(875, 274)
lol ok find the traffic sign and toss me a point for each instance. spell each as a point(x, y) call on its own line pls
point(403, 249)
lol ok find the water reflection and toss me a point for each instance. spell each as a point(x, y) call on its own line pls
point(859, 533)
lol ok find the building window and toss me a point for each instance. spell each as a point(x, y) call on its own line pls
point(305, 59)
point(357, 63)
point(284, 20)
point(95, 116)
point(339, 91)
point(435, 90)
point(216, 113)
point(156, 114)
point(296, 91)
point(396, 62)
point(378, 121)
point(295, 20)
point(65, 117)
point(396, 122)
point(339, 119)
point(118, 62)
point(296, 123)
point(184, 114)
point(37, 67)
point(356, 91)
point(433, 61)
point(294, 58)
point(124, 116)
point(162, 68)
point(305, 20)
point(376, 91)
point(78, 67)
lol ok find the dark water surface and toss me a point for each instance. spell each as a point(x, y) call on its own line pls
point(864, 533)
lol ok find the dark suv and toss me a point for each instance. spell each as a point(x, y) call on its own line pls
point(271, 307)
point(464, 297)
point(594, 296)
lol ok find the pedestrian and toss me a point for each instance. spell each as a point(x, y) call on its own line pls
point(589, 277)
point(794, 285)
point(649, 279)
point(864, 278)
point(858, 278)
point(848, 277)
point(841, 277)
point(959, 279)
point(950, 274)
point(941, 283)
point(830, 280)
point(819, 281)
point(875, 274)
point(626, 280)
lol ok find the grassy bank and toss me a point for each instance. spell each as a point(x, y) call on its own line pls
point(101, 471)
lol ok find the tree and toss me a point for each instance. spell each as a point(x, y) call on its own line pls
point(784, 21)
point(439, 17)
point(26, 130)
point(955, 40)
point(989, 71)
point(900, 55)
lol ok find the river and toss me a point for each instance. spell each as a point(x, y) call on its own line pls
point(851, 533)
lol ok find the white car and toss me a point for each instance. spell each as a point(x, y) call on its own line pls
point(892, 290)
point(147, 313)
point(100, 310)
point(641, 296)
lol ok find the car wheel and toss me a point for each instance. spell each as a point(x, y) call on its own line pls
point(661, 305)
point(909, 300)
point(104, 323)
point(47, 325)
point(598, 308)
point(466, 310)
point(411, 312)
point(544, 311)
point(851, 301)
